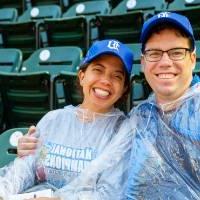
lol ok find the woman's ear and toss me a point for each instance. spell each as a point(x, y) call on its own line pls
point(81, 76)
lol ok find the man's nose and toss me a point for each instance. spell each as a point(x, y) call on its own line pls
point(165, 59)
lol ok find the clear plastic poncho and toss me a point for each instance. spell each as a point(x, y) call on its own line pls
point(83, 155)
point(165, 158)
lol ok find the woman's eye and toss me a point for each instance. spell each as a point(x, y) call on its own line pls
point(97, 69)
point(118, 77)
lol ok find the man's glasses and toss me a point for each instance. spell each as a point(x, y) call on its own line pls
point(154, 55)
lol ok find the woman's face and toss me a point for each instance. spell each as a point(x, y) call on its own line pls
point(102, 83)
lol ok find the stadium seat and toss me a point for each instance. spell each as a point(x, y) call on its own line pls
point(10, 60)
point(89, 9)
point(35, 3)
point(64, 32)
point(40, 12)
point(19, 35)
point(71, 94)
point(8, 15)
point(26, 97)
point(140, 90)
point(53, 60)
point(133, 5)
point(8, 144)
point(182, 4)
point(18, 4)
point(120, 26)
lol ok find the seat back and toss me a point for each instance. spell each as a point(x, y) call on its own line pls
point(64, 32)
point(133, 5)
point(53, 60)
point(8, 15)
point(88, 9)
point(10, 60)
point(182, 4)
point(40, 12)
point(140, 89)
point(120, 26)
point(26, 97)
point(8, 143)
point(71, 93)
point(19, 35)
point(17, 4)
point(34, 3)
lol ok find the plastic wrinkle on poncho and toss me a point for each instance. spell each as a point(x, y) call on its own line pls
point(99, 174)
point(165, 158)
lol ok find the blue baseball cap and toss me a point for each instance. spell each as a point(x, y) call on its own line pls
point(175, 19)
point(113, 47)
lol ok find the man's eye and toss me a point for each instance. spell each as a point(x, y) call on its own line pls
point(154, 54)
point(177, 53)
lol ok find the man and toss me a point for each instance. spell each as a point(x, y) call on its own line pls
point(165, 160)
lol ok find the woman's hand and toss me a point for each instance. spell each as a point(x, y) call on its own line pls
point(28, 143)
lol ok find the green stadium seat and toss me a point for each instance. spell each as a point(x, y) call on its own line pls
point(120, 26)
point(8, 15)
point(64, 32)
point(89, 9)
point(33, 3)
point(133, 5)
point(136, 49)
point(40, 12)
point(26, 97)
point(18, 4)
point(72, 95)
point(182, 4)
point(8, 143)
point(10, 60)
point(19, 35)
point(140, 89)
point(53, 60)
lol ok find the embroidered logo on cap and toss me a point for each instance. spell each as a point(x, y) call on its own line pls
point(112, 44)
point(163, 14)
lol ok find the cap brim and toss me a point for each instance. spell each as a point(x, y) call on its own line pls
point(105, 53)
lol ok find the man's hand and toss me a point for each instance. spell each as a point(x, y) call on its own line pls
point(28, 143)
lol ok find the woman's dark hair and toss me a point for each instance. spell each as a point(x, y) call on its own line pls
point(161, 27)
point(122, 100)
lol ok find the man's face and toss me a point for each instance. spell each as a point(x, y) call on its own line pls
point(169, 79)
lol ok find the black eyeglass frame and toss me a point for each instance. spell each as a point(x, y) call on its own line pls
point(168, 53)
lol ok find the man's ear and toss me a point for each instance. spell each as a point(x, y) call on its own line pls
point(193, 59)
point(142, 62)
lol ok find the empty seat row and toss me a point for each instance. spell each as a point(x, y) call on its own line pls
point(31, 89)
